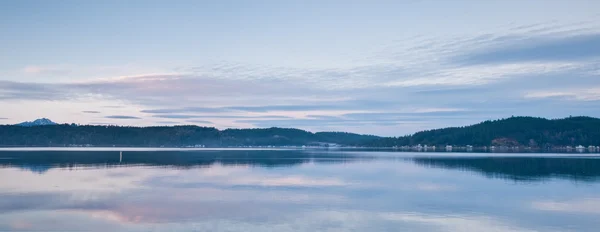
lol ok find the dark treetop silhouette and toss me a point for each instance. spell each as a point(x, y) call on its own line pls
point(514, 131)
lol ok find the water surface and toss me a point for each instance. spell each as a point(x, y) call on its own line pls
point(293, 190)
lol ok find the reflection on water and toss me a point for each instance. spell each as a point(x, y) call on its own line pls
point(295, 191)
point(42, 161)
point(521, 168)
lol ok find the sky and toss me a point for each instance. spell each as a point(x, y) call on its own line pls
point(387, 68)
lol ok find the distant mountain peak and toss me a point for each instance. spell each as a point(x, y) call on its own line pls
point(38, 122)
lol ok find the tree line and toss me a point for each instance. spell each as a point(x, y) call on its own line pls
point(168, 136)
point(513, 131)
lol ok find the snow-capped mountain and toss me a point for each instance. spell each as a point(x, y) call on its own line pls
point(38, 122)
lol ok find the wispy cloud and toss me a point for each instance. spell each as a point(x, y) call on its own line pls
point(200, 121)
point(281, 108)
point(325, 117)
point(244, 116)
point(185, 110)
point(121, 117)
point(567, 48)
point(181, 116)
point(10, 90)
point(583, 94)
point(90, 112)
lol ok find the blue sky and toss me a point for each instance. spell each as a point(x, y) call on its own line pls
point(377, 67)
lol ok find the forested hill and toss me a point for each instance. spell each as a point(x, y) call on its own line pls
point(514, 131)
point(170, 136)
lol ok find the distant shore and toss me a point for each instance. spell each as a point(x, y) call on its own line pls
point(417, 149)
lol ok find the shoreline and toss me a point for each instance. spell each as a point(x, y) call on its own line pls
point(512, 150)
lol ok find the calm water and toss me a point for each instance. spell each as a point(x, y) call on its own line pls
point(236, 190)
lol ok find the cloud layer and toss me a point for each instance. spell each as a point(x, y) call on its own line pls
point(404, 84)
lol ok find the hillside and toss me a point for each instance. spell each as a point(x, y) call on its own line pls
point(289, 136)
point(514, 131)
point(170, 136)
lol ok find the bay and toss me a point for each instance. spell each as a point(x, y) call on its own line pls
point(295, 190)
